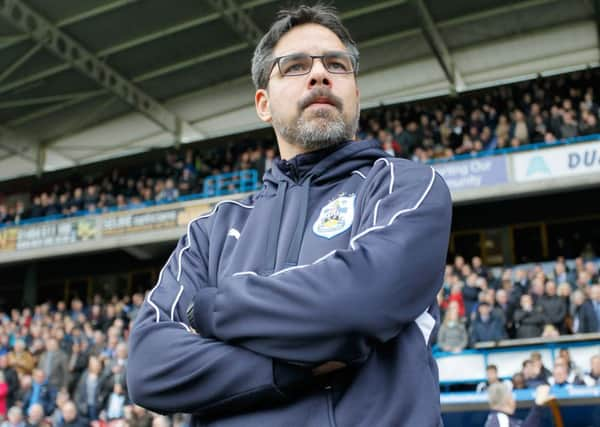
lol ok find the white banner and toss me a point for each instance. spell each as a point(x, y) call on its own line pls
point(566, 160)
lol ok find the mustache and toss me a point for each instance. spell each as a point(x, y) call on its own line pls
point(320, 93)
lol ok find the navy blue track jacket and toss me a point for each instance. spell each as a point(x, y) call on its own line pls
point(339, 257)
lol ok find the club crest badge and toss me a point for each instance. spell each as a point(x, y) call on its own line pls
point(335, 217)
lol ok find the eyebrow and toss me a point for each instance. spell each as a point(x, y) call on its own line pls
point(326, 52)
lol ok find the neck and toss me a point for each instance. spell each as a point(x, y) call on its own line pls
point(289, 151)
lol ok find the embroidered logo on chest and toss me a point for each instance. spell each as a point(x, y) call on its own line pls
point(335, 217)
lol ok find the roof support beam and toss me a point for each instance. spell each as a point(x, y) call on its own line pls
point(48, 99)
point(51, 109)
point(192, 23)
point(79, 57)
point(211, 17)
point(15, 65)
point(238, 20)
point(17, 144)
point(73, 19)
point(438, 46)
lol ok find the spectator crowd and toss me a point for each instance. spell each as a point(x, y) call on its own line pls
point(478, 306)
point(67, 367)
point(539, 111)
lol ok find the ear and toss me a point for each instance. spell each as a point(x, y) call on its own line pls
point(262, 104)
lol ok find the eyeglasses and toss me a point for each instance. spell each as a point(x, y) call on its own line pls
point(299, 64)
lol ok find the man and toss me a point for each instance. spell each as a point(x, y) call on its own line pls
point(55, 364)
point(40, 392)
point(486, 327)
point(15, 418)
point(584, 315)
point(492, 378)
point(553, 306)
point(314, 299)
point(21, 359)
point(593, 377)
point(561, 378)
point(595, 298)
point(318, 293)
point(70, 416)
point(503, 406)
point(529, 319)
point(35, 418)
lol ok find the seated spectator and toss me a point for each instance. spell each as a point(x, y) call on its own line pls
point(453, 334)
point(518, 381)
point(3, 395)
point(492, 378)
point(457, 297)
point(92, 390)
point(15, 418)
point(584, 316)
point(41, 392)
point(56, 417)
point(595, 299)
point(553, 306)
point(70, 416)
point(560, 377)
point(21, 359)
point(592, 378)
point(529, 320)
point(169, 193)
point(503, 406)
point(54, 362)
point(115, 407)
point(36, 418)
point(538, 366)
point(532, 374)
point(573, 373)
point(12, 381)
point(486, 327)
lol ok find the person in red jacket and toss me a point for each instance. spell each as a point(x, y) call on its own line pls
point(3, 395)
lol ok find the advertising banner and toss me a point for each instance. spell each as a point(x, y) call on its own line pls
point(140, 220)
point(473, 173)
point(55, 233)
point(567, 160)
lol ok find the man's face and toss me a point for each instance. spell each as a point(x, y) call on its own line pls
point(299, 107)
point(560, 374)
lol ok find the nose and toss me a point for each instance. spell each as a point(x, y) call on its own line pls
point(319, 76)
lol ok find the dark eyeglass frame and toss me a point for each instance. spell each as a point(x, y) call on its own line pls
point(353, 60)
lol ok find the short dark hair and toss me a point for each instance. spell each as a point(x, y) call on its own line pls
point(326, 16)
point(491, 368)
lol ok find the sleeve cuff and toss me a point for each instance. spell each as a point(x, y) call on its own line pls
point(204, 305)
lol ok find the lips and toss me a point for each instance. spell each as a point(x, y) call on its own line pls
point(322, 100)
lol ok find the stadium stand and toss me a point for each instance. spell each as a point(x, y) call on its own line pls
point(500, 120)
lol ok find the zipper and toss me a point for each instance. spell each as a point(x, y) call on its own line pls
point(330, 412)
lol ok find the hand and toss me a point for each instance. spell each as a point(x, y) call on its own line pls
point(542, 395)
point(328, 367)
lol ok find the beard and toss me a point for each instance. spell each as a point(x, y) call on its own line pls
point(317, 128)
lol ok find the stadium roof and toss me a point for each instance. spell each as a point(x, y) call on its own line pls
point(82, 81)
